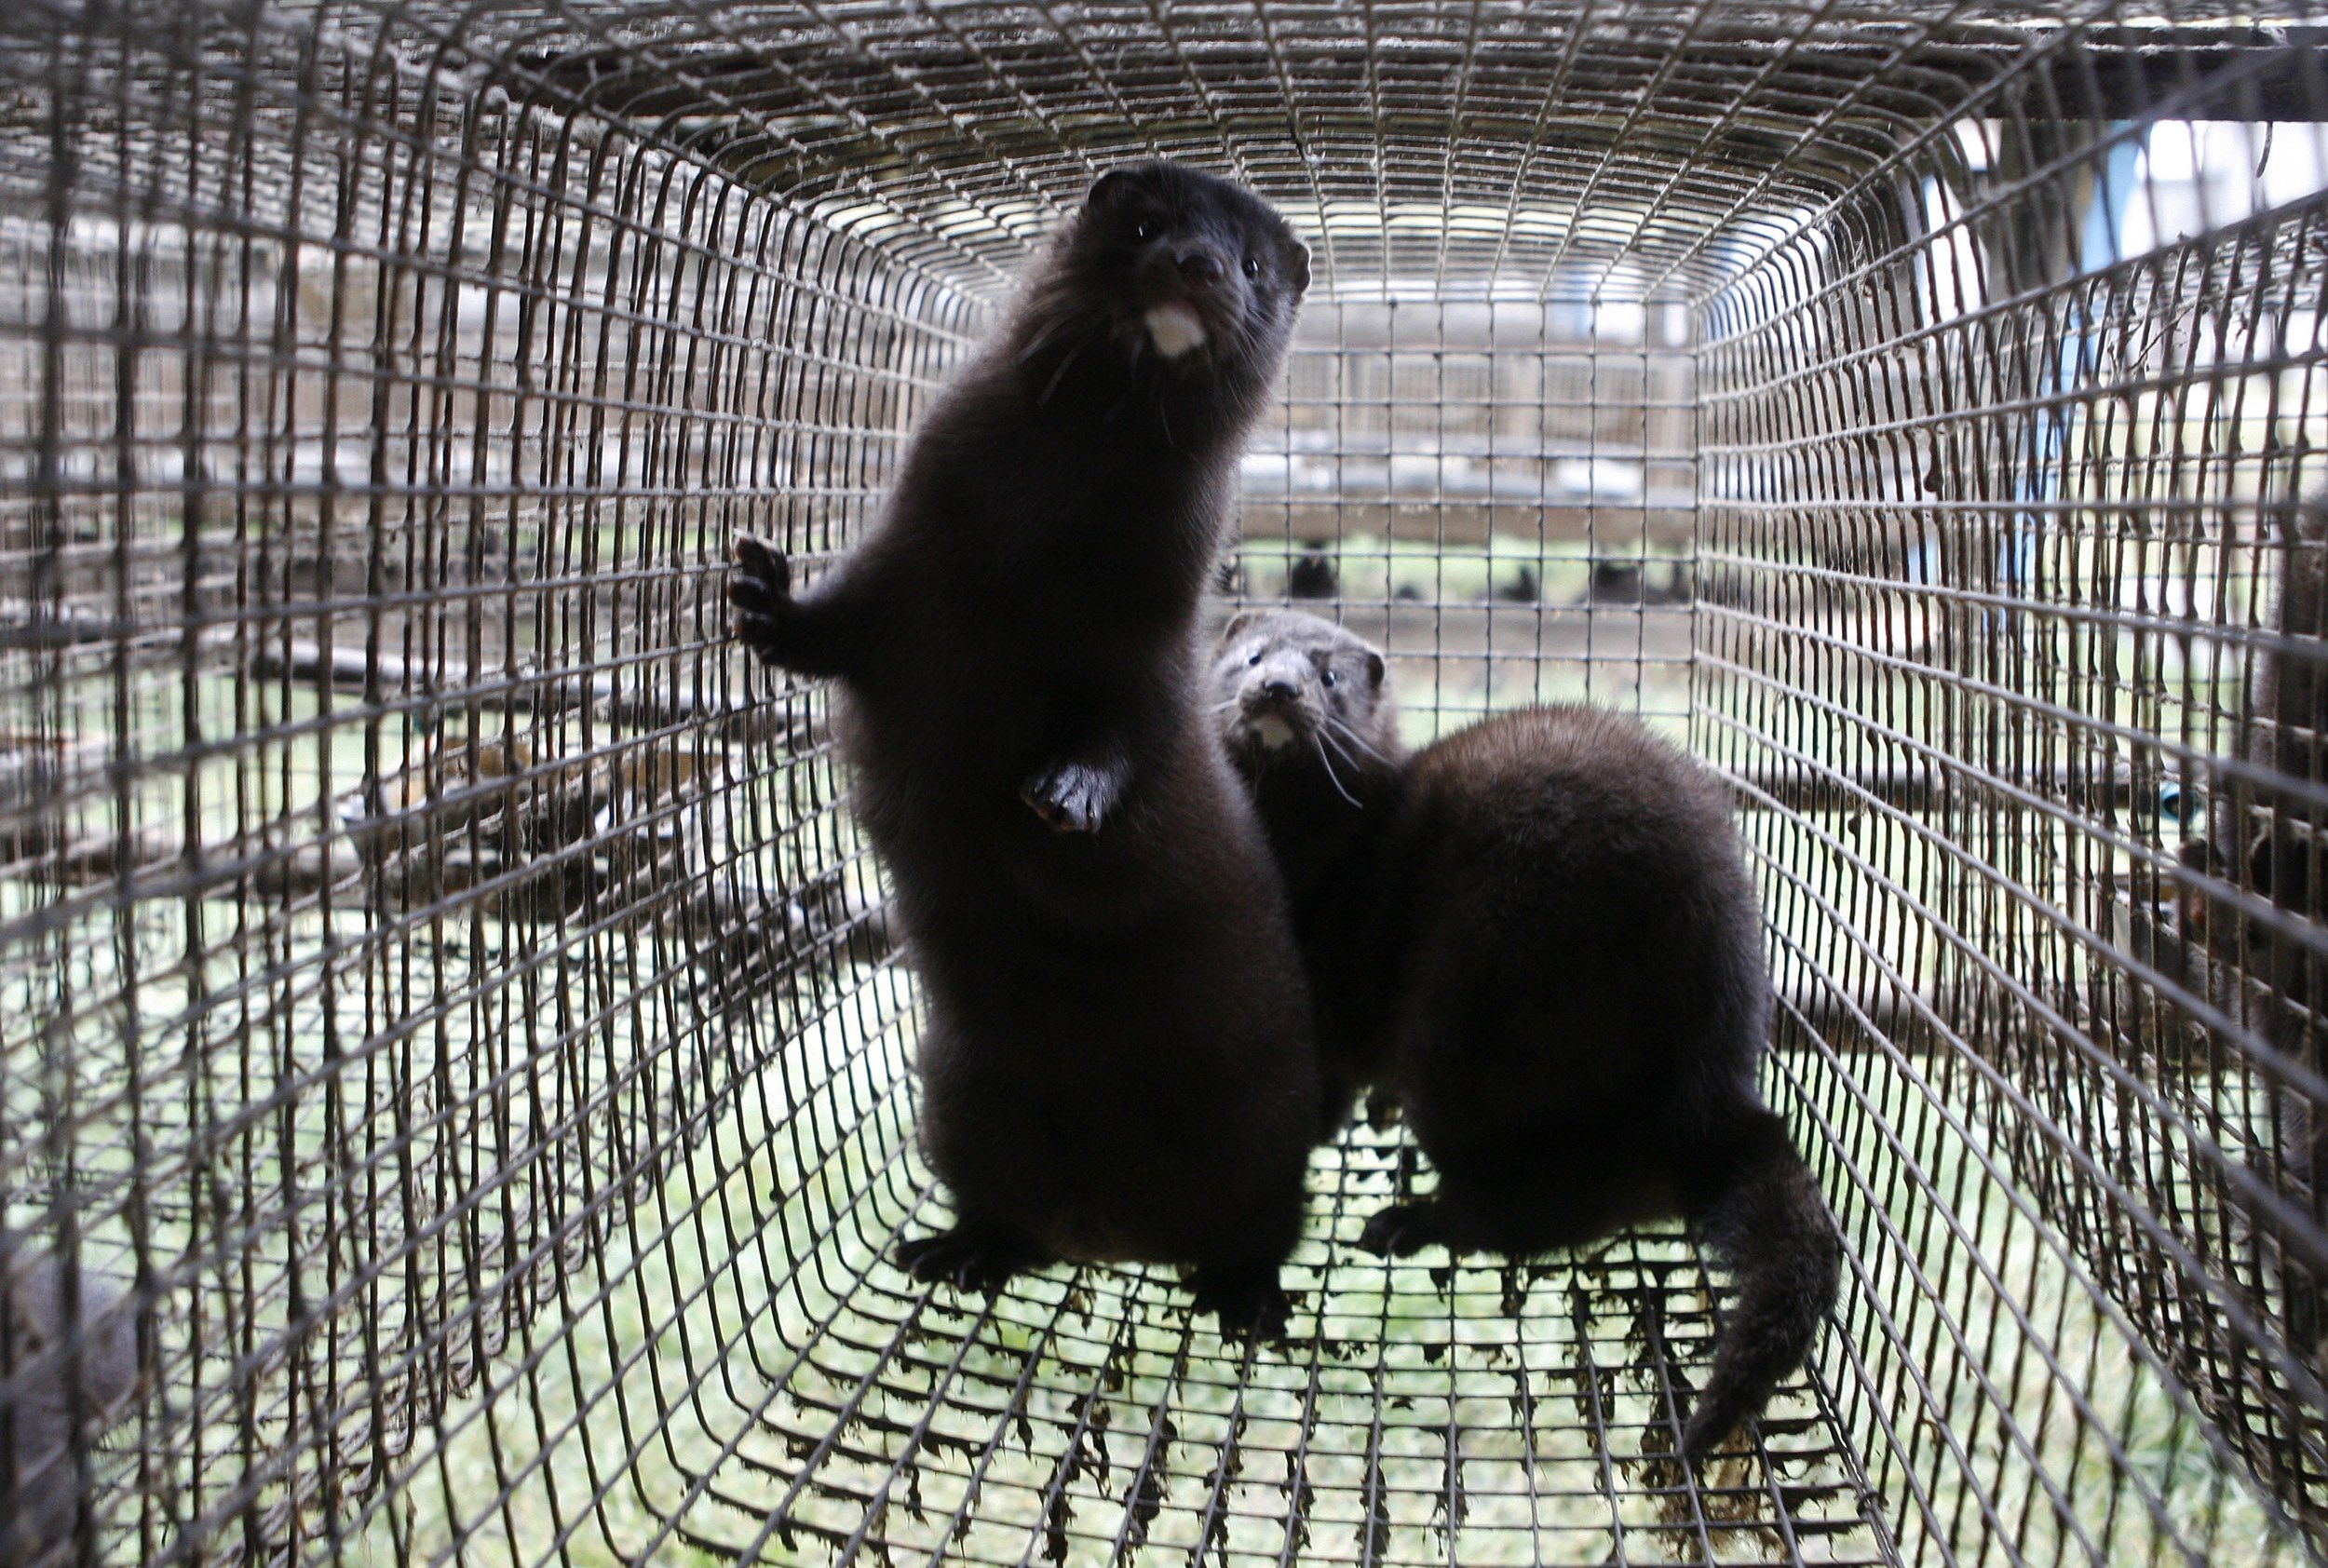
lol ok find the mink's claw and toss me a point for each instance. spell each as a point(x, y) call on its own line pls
point(1071, 797)
point(760, 561)
point(966, 1259)
point(1249, 1302)
point(759, 592)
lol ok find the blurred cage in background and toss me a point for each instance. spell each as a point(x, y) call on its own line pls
point(452, 1052)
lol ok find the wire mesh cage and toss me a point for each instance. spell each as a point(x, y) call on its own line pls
point(455, 1093)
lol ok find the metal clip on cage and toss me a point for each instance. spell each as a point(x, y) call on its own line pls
point(455, 1091)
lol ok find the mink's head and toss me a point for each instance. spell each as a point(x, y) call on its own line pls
point(39, 1354)
point(2303, 525)
point(1180, 280)
point(1293, 690)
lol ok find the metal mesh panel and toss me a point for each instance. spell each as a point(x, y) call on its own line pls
point(2004, 609)
point(443, 996)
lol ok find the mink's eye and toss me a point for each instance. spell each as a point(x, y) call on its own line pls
point(1253, 268)
point(1255, 659)
point(1142, 231)
point(1329, 677)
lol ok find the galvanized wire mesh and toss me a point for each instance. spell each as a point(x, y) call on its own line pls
point(448, 1010)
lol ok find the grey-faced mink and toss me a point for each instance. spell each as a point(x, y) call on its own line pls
point(1118, 1060)
point(1538, 934)
point(67, 1370)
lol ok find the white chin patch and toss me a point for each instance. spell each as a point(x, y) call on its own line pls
point(1274, 733)
point(1175, 329)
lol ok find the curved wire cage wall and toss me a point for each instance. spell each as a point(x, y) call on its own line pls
point(449, 1040)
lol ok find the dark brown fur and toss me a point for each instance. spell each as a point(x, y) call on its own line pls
point(1539, 934)
point(2274, 834)
point(1118, 1060)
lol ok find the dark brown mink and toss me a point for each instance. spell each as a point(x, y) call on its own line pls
point(66, 1367)
point(2273, 834)
point(1540, 935)
point(1117, 1061)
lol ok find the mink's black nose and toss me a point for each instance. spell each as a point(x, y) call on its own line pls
point(1278, 691)
point(1201, 269)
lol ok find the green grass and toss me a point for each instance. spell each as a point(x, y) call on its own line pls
point(1514, 1360)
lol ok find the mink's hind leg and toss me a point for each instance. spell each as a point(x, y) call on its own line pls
point(974, 1255)
point(1473, 1217)
point(1245, 1297)
point(1405, 1229)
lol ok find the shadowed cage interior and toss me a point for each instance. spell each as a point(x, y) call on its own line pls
point(441, 985)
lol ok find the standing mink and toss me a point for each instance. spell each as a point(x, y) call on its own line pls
point(1538, 935)
point(1118, 1060)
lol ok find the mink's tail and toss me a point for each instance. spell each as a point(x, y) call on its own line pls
point(1768, 1227)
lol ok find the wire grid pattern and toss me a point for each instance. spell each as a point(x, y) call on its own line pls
point(1992, 564)
point(444, 983)
point(1502, 494)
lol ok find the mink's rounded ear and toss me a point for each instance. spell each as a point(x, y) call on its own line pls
point(1238, 623)
point(1297, 268)
point(1107, 188)
point(1373, 668)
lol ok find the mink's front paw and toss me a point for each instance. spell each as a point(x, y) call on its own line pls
point(759, 591)
point(1071, 797)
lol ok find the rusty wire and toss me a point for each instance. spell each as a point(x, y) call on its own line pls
point(446, 1010)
